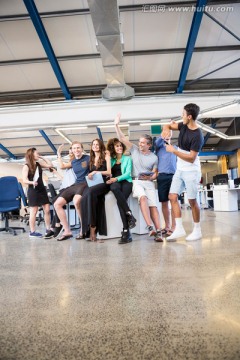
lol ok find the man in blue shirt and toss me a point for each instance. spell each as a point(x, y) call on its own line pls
point(80, 166)
point(166, 169)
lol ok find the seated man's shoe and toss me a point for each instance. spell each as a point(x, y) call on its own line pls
point(151, 230)
point(158, 236)
point(57, 231)
point(180, 232)
point(131, 221)
point(49, 234)
point(195, 235)
point(126, 237)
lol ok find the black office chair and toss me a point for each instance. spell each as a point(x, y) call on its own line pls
point(10, 200)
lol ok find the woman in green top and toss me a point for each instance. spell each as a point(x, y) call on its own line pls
point(121, 185)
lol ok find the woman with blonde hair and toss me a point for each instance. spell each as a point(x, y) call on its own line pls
point(36, 194)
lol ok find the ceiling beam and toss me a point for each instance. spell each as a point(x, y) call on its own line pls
point(8, 152)
point(126, 8)
point(213, 71)
point(222, 26)
point(44, 135)
point(37, 22)
point(94, 91)
point(125, 53)
point(196, 22)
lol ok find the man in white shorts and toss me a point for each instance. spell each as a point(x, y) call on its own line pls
point(145, 170)
point(188, 173)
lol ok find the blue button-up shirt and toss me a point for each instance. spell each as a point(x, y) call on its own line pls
point(167, 161)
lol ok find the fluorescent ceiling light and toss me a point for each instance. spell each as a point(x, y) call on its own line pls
point(63, 136)
point(154, 123)
point(73, 128)
point(221, 135)
point(216, 109)
point(208, 129)
point(112, 126)
point(234, 137)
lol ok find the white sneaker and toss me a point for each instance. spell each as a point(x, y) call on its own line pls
point(195, 235)
point(180, 232)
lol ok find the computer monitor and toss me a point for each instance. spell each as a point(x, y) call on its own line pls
point(220, 179)
point(236, 182)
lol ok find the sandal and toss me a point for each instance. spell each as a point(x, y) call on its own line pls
point(80, 237)
point(165, 231)
point(64, 237)
point(169, 232)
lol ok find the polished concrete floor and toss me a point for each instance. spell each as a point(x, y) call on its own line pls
point(144, 300)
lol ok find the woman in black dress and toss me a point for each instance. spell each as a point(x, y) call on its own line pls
point(36, 194)
point(93, 202)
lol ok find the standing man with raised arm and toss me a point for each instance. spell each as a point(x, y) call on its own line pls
point(188, 173)
point(145, 170)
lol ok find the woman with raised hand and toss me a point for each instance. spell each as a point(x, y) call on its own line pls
point(93, 202)
point(37, 193)
point(121, 185)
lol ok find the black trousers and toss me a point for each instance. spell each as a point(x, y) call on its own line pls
point(93, 209)
point(122, 190)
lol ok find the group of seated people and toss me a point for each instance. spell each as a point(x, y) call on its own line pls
point(174, 168)
point(117, 173)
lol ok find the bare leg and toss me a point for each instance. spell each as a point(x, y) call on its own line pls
point(166, 214)
point(195, 210)
point(179, 230)
point(145, 210)
point(175, 205)
point(173, 221)
point(76, 202)
point(155, 217)
point(47, 219)
point(32, 217)
point(58, 205)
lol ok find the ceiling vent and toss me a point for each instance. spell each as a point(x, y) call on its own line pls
point(105, 18)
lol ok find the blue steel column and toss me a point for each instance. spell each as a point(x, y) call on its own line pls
point(3, 148)
point(99, 133)
point(44, 135)
point(37, 22)
point(196, 22)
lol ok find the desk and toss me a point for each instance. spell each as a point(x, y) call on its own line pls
point(225, 199)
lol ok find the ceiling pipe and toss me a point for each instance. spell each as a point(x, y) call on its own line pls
point(105, 18)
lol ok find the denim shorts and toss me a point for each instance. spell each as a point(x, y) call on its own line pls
point(188, 180)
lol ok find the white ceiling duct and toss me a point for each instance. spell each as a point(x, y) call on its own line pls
point(105, 18)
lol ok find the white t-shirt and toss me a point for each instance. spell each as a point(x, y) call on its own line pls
point(187, 166)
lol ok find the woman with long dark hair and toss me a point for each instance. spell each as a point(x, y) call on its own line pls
point(93, 202)
point(36, 194)
point(121, 185)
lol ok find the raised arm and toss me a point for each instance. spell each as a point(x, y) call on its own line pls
point(62, 164)
point(45, 163)
point(120, 134)
point(167, 130)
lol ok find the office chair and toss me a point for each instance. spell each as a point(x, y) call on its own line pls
point(24, 218)
point(10, 200)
